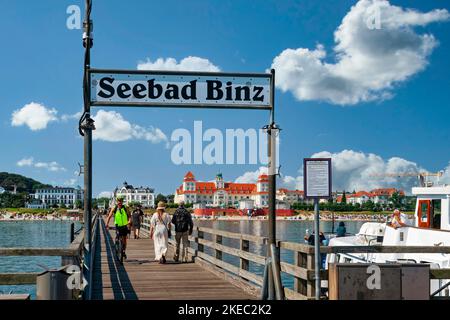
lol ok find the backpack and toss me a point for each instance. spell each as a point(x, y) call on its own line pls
point(182, 220)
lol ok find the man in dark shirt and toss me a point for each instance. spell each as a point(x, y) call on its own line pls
point(312, 237)
point(182, 220)
point(136, 219)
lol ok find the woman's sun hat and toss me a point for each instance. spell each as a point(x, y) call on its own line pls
point(161, 205)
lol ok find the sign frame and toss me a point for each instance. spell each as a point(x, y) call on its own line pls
point(199, 105)
point(305, 177)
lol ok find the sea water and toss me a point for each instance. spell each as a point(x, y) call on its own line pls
point(287, 230)
point(29, 234)
point(56, 234)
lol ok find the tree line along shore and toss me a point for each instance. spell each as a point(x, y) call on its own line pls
point(325, 215)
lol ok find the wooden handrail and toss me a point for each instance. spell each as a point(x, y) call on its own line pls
point(306, 248)
point(235, 252)
point(73, 252)
point(302, 270)
point(233, 235)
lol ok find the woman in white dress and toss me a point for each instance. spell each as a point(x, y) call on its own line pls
point(159, 231)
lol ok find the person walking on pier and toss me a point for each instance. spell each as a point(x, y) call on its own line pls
point(121, 221)
point(182, 220)
point(136, 220)
point(160, 231)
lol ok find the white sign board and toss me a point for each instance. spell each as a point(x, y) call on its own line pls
point(180, 89)
point(317, 177)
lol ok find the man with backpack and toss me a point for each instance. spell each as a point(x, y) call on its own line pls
point(182, 220)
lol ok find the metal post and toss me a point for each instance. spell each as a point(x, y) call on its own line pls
point(87, 184)
point(272, 183)
point(332, 225)
point(276, 272)
point(86, 125)
point(265, 287)
point(317, 247)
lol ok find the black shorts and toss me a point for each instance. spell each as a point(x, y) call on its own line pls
point(123, 231)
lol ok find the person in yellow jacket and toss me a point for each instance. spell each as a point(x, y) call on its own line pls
point(121, 220)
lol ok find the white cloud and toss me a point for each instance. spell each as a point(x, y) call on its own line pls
point(50, 166)
point(446, 176)
point(293, 183)
point(187, 64)
point(75, 116)
point(354, 170)
point(71, 182)
point(34, 115)
point(251, 176)
point(25, 162)
point(369, 62)
point(104, 194)
point(285, 181)
point(111, 126)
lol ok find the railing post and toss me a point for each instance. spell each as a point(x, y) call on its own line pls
point(297, 281)
point(300, 260)
point(245, 246)
point(200, 235)
point(311, 283)
point(218, 240)
point(72, 232)
point(68, 260)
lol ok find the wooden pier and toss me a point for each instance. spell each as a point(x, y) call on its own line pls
point(222, 266)
point(141, 277)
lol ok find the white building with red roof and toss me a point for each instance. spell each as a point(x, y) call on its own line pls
point(380, 196)
point(290, 196)
point(219, 193)
point(359, 197)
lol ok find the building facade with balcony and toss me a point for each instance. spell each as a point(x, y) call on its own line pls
point(290, 196)
point(61, 196)
point(143, 195)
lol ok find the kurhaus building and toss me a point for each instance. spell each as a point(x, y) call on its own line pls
point(219, 193)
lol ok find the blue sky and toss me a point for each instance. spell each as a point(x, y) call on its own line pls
point(41, 61)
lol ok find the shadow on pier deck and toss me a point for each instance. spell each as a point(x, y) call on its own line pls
point(141, 277)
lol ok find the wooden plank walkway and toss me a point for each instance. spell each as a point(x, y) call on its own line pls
point(141, 277)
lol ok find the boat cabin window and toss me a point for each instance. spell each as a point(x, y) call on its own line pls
point(423, 214)
point(436, 214)
point(429, 214)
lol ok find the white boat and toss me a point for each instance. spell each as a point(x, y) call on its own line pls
point(431, 227)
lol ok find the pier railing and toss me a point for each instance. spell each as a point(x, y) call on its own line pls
point(89, 261)
point(69, 255)
point(208, 247)
point(73, 255)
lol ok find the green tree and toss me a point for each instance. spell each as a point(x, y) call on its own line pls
point(170, 198)
point(133, 203)
point(368, 206)
point(344, 197)
point(23, 184)
point(9, 200)
point(396, 199)
point(78, 204)
point(160, 197)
